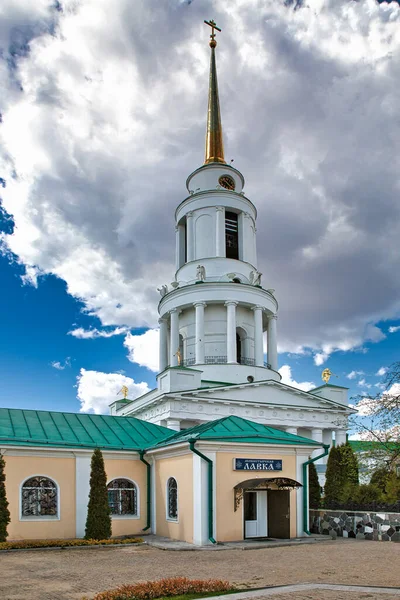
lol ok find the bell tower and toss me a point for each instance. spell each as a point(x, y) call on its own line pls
point(214, 314)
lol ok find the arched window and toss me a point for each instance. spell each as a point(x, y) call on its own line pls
point(39, 497)
point(238, 349)
point(122, 497)
point(172, 499)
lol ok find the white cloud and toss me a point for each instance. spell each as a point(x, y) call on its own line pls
point(90, 334)
point(354, 374)
point(60, 366)
point(320, 358)
point(143, 349)
point(96, 390)
point(381, 372)
point(95, 170)
point(364, 384)
point(286, 372)
point(394, 329)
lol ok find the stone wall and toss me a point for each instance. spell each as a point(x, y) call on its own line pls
point(378, 526)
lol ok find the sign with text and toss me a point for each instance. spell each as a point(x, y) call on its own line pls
point(257, 464)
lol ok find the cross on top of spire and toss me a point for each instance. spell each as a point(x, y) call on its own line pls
point(214, 27)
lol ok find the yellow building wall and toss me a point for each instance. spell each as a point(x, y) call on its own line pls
point(135, 470)
point(230, 524)
point(180, 467)
point(62, 471)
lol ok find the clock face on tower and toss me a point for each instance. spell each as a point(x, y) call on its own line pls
point(227, 182)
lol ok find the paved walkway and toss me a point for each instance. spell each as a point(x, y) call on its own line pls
point(164, 543)
point(319, 591)
point(71, 574)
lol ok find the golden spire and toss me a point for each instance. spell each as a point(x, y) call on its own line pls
point(214, 141)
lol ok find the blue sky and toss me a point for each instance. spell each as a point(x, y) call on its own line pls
point(103, 118)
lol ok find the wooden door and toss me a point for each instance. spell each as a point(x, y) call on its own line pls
point(278, 514)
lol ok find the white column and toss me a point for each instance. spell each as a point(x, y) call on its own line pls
point(174, 424)
point(177, 248)
point(220, 231)
point(231, 331)
point(327, 439)
point(189, 237)
point(272, 343)
point(292, 430)
point(258, 336)
point(174, 338)
point(316, 435)
point(163, 348)
point(199, 306)
point(340, 437)
point(82, 488)
point(200, 501)
point(247, 239)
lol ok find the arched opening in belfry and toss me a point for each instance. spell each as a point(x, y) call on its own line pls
point(242, 342)
point(181, 355)
point(238, 349)
point(231, 235)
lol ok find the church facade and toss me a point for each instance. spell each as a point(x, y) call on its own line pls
point(216, 314)
point(219, 451)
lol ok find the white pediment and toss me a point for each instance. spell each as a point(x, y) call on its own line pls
point(267, 393)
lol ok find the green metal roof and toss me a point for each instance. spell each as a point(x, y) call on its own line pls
point(236, 429)
point(59, 429)
point(366, 445)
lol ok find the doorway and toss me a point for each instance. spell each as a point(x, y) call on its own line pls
point(255, 514)
point(279, 514)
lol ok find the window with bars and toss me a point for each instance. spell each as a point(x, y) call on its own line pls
point(172, 499)
point(231, 235)
point(39, 497)
point(122, 497)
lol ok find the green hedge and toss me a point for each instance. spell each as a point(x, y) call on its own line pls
point(65, 543)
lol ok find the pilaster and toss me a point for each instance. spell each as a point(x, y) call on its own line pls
point(231, 331)
point(199, 328)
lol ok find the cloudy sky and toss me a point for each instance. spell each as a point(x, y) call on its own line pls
point(103, 110)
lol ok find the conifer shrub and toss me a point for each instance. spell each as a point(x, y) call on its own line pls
point(349, 464)
point(98, 521)
point(172, 586)
point(341, 476)
point(334, 481)
point(4, 512)
point(314, 487)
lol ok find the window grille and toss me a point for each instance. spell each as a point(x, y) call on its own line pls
point(172, 499)
point(122, 497)
point(39, 497)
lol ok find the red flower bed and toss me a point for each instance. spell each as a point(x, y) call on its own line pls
point(173, 586)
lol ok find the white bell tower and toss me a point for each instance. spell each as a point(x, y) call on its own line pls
point(214, 314)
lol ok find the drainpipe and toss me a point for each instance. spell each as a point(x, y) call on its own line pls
point(148, 467)
point(210, 490)
point(305, 487)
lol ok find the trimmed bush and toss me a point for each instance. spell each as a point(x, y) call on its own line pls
point(98, 522)
point(314, 487)
point(172, 586)
point(365, 494)
point(392, 489)
point(23, 544)
point(4, 512)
